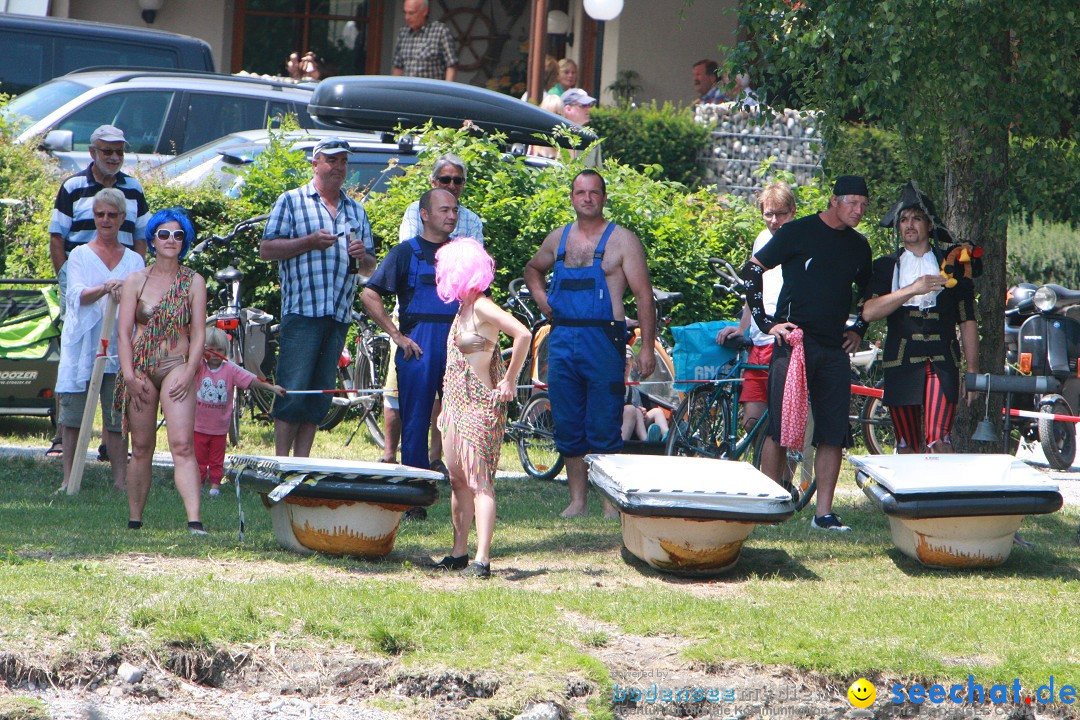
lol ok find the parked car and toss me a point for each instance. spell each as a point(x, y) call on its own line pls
point(216, 162)
point(39, 49)
point(372, 158)
point(162, 113)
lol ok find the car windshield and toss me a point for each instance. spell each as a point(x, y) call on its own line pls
point(30, 107)
point(230, 144)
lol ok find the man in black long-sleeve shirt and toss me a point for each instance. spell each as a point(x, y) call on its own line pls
point(822, 256)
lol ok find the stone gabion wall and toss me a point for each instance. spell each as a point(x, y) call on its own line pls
point(743, 137)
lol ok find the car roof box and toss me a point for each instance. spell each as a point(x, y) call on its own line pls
point(384, 102)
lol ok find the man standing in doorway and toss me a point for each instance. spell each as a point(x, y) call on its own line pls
point(424, 48)
point(822, 256)
point(594, 262)
point(313, 231)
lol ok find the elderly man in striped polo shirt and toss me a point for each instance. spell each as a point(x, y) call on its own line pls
point(313, 231)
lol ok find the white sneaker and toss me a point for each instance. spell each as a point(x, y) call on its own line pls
point(214, 492)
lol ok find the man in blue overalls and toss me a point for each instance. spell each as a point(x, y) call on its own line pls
point(408, 271)
point(594, 261)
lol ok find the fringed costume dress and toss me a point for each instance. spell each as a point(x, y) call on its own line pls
point(151, 350)
point(473, 418)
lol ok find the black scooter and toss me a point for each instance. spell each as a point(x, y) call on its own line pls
point(1042, 346)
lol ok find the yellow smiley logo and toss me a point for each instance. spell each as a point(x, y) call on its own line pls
point(862, 693)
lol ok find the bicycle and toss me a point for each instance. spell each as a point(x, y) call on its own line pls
point(708, 423)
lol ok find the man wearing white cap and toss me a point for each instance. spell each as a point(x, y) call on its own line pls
point(321, 239)
point(72, 221)
point(577, 105)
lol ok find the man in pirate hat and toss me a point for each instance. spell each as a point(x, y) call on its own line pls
point(923, 311)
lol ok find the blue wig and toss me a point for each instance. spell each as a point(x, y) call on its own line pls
point(176, 214)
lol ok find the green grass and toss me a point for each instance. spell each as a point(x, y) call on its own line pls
point(72, 577)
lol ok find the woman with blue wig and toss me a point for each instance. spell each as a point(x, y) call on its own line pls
point(162, 327)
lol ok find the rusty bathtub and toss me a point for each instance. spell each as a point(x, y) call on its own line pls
point(687, 515)
point(338, 507)
point(955, 511)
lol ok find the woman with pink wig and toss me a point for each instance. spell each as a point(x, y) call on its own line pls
point(476, 389)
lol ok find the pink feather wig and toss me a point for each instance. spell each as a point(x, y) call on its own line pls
point(462, 266)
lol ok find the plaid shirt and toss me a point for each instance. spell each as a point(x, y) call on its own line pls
point(469, 224)
point(316, 283)
point(426, 52)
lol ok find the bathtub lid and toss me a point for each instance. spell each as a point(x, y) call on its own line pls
point(688, 487)
point(960, 473)
point(361, 469)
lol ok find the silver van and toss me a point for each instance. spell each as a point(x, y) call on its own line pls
point(162, 113)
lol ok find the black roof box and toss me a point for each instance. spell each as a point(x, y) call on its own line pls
point(383, 102)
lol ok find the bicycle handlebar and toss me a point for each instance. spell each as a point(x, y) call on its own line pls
point(228, 237)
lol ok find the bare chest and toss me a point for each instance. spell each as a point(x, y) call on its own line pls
point(581, 251)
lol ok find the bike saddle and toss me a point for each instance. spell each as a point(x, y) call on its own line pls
point(229, 274)
point(738, 342)
point(663, 296)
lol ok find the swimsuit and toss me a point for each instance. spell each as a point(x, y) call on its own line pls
point(162, 366)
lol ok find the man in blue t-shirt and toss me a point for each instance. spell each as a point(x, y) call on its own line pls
point(821, 257)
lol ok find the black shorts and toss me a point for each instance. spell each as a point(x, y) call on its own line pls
point(828, 380)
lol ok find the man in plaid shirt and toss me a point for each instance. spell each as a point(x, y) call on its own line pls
point(424, 49)
point(314, 232)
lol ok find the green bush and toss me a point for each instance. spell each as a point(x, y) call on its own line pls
point(1042, 252)
point(28, 184)
point(647, 135)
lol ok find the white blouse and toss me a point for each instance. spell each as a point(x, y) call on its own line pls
point(82, 323)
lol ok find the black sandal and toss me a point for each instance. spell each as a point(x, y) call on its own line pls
point(451, 562)
point(477, 569)
point(56, 449)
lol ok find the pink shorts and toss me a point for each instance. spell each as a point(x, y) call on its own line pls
point(755, 386)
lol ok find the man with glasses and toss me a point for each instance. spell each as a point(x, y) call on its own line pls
point(777, 205)
point(72, 222)
point(821, 255)
point(448, 173)
point(321, 239)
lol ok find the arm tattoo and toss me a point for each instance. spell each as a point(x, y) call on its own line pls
point(753, 284)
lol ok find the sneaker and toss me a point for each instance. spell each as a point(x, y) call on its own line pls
point(477, 569)
point(452, 562)
point(829, 522)
point(416, 513)
point(214, 492)
point(655, 434)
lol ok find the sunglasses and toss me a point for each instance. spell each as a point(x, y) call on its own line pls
point(104, 214)
point(109, 152)
point(163, 234)
point(450, 179)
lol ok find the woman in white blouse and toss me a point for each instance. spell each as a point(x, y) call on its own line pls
point(95, 270)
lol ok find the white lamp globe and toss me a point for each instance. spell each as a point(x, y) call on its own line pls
point(603, 9)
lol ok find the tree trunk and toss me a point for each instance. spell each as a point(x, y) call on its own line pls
point(976, 181)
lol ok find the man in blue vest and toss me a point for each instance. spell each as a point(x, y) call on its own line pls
point(594, 261)
point(408, 271)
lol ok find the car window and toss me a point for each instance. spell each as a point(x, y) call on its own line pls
point(141, 115)
point(211, 116)
point(39, 102)
point(372, 171)
point(77, 53)
point(28, 72)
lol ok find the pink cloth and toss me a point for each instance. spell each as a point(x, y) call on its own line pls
point(796, 408)
point(214, 395)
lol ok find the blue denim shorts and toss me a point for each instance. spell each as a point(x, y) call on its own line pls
point(308, 354)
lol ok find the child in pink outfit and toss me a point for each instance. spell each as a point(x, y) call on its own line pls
point(215, 381)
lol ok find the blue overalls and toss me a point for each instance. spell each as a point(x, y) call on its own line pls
point(420, 379)
point(587, 349)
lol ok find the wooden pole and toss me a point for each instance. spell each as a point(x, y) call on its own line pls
point(537, 51)
point(86, 429)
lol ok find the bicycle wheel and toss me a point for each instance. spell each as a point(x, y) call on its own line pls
point(877, 428)
point(798, 471)
point(339, 408)
point(233, 354)
point(371, 367)
point(535, 431)
point(698, 426)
